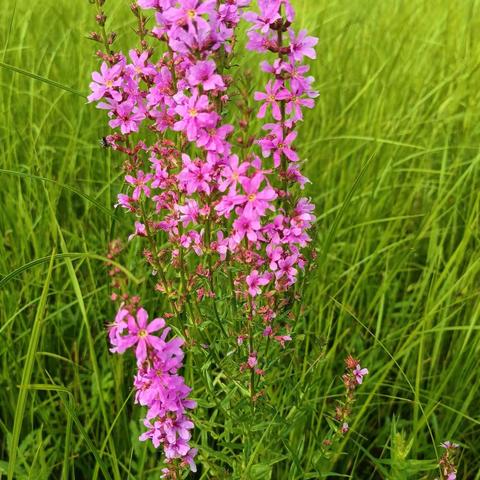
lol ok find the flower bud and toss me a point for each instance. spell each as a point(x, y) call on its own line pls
point(94, 36)
point(111, 38)
point(101, 19)
point(134, 9)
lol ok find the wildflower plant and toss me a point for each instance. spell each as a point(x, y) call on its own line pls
point(216, 203)
point(447, 463)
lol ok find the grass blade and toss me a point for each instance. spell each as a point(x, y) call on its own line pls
point(27, 371)
point(35, 76)
point(81, 194)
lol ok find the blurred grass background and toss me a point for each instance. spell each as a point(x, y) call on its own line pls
point(393, 154)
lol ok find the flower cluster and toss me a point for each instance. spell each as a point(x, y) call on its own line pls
point(158, 385)
point(352, 378)
point(184, 91)
point(447, 462)
point(211, 198)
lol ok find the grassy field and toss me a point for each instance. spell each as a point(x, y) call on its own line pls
point(393, 154)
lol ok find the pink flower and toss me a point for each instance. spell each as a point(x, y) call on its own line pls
point(189, 13)
point(140, 231)
point(252, 360)
point(139, 64)
point(190, 212)
point(188, 459)
point(106, 82)
point(286, 268)
point(269, 14)
point(256, 201)
point(221, 245)
point(125, 201)
point(227, 204)
point(233, 173)
point(195, 176)
point(271, 97)
point(298, 81)
point(246, 226)
point(345, 428)
point(140, 184)
point(194, 116)
point(117, 328)
point(449, 445)
point(126, 115)
point(282, 339)
point(302, 46)
point(359, 373)
point(140, 334)
point(294, 174)
point(259, 42)
point(255, 281)
point(204, 74)
point(295, 102)
point(280, 146)
point(214, 139)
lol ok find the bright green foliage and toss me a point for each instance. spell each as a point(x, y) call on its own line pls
point(393, 154)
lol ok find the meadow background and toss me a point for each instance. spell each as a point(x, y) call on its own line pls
point(393, 154)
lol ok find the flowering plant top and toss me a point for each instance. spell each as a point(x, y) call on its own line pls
point(210, 197)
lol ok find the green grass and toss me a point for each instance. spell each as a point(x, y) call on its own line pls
point(393, 154)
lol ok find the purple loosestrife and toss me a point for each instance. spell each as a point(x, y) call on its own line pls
point(447, 462)
point(158, 385)
point(217, 199)
point(352, 379)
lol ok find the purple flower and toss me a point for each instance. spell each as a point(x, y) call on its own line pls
point(255, 281)
point(269, 14)
point(233, 173)
point(117, 328)
point(271, 97)
point(214, 139)
point(139, 64)
point(126, 115)
point(258, 42)
point(302, 46)
point(256, 201)
point(195, 175)
point(189, 13)
point(449, 445)
point(246, 226)
point(204, 74)
point(140, 334)
point(295, 102)
point(286, 268)
point(280, 146)
point(140, 184)
point(190, 212)
point(125, 201)
point(194, 116)
point(106, 82)
point(140, 231)
point(188, 459)
point(359, 373)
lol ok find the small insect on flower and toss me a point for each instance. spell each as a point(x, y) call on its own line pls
point(104, 143)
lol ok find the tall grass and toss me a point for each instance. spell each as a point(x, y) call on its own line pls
point(393, 153)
